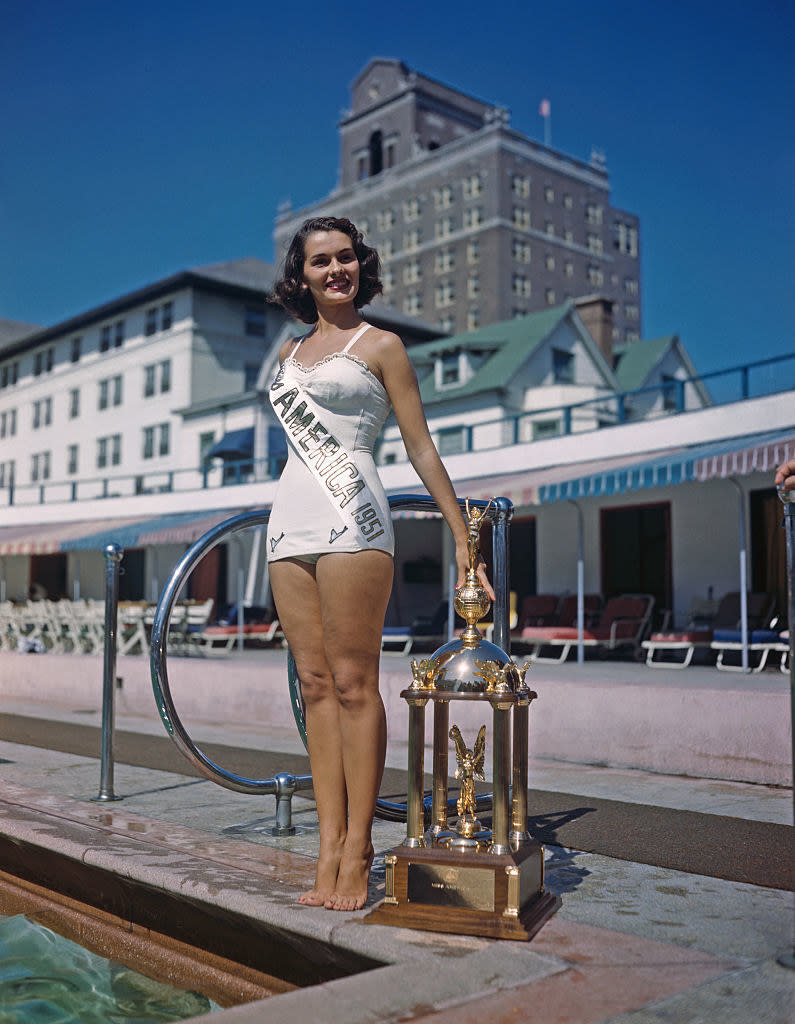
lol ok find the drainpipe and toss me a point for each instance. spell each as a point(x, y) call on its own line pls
point(580, 583)
point(743, 575)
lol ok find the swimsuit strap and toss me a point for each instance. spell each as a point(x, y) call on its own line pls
point(301, 340)
point(356, 337)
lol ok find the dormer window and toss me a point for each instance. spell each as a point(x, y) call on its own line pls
point(450, 368)
point(562, 366)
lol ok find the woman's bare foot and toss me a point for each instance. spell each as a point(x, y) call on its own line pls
point(328, 866)
point(350, 892)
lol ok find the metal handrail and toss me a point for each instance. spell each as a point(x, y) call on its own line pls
point(284, 784)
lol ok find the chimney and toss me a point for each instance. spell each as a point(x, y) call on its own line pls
point(596, 312)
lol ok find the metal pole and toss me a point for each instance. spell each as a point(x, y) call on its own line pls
point(788, 959)
point(501, 768)
point(414, 802)
point(441, 741)
point(743, 577)
point(113, 555)
point(501, 572)
point(580, 584)
point(519, 834)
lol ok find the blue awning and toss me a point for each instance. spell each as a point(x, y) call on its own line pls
point(751, 453)
point(169, 528)
point(237, 444)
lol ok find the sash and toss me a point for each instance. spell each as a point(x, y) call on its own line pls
point(324, 456)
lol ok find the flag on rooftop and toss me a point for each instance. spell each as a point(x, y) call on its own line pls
point(544, 108)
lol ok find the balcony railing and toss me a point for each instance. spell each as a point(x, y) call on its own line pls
point(720, 387)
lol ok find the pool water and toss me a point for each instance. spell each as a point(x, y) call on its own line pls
point(48, 979)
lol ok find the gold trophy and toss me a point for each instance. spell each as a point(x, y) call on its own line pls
point(465, 878)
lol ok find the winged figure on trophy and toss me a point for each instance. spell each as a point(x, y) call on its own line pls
point(470, 767)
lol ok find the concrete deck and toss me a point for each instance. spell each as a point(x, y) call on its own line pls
point(633, 942)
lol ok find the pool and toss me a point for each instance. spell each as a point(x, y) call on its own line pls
point(46, 977)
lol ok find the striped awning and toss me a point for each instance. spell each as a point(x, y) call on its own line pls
point(739, 456)
point(94, 535)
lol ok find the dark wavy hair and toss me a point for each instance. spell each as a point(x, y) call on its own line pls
point(290, 290)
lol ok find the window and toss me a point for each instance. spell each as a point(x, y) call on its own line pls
point(520, 250)
point(626, 238)
point(8, 374)
point(473, 285)
point(549, 194)
point(149, 443)
point(520, 285)
point(521, 218)
point(445, 294)
point(630, 286)
point(110, 392)
point(8, 423)
point(550, 296)
point(562, 366)
point(472, 186)
point(473, 318)
point(568, 268)
point(520, 186)
point(549, 261)
point(250, 376)
point(7, 473)
point(361, 168)
point(447, 323)
point(254, 323)
point(411, 239)
point(116, 384)
point(160, 432)
point(40, 467)
point(118, 334)
point(71, 459)
point(670, 391)
point(165, 376)
point(593, 213)
point(443, 197)
point(451, 441)
point(568, 235)
point(385, 220)
point(473, 218)
point(38, 364)
point(449, 369)
point(412, 272)
point(549, 228)
point(104, 386)
point(545, 428)
point(150, 322)
point(596, 276)
point(388, 280)
point(166, 315)
point(206, 441)
point(165, 439)
point(389, 154)
point(412, 304)
point(76, 346)
point(516, 312)
point(42, 413)
point(473, 250)
point(568, 202)
point(74, 403)
point(387, 249)
point(104, 338)
point(411, 210)
point(109, 451)
point(149, 381)
point(631, 335)
point(444, 261)
point(594, 244)
point(631, 311)
point(444, 227)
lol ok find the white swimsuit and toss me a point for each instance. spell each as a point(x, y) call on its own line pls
point(329, 497)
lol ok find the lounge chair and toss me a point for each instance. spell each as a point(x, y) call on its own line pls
point(700, 630)
point(536, 635)
point(430, 630)
point(762, 641)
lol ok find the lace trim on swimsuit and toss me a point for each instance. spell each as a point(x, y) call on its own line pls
point(336, 355)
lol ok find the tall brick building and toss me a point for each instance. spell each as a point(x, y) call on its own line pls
point(475, 222)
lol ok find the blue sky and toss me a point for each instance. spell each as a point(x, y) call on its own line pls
point(139, 140)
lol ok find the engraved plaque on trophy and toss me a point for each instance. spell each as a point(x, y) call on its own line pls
point(459, 876)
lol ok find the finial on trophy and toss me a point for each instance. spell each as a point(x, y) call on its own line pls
point(471, 601)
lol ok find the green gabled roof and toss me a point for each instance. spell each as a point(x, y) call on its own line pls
point(510, 342)
point(638, 359)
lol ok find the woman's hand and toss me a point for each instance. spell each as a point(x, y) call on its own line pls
point(785, 475)
point(462, 561)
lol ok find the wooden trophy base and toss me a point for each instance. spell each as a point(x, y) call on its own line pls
point(500, 896)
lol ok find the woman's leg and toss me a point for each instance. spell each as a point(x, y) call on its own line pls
point(298, 607)
point(353, 591)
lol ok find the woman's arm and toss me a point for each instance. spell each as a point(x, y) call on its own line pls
point(400, 382)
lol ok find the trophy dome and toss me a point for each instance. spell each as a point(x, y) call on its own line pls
point(464, 668)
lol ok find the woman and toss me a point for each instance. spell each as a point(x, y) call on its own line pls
point(330, 540)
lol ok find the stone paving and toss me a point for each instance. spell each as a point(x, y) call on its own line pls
point(631, 942)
